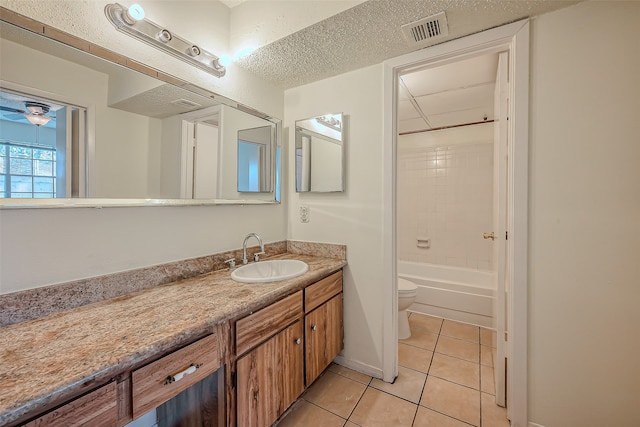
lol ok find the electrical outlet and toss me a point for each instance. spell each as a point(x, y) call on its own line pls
point(304, 213)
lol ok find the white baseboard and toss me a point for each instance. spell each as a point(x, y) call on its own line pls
point(359, 366)
point(535, 425)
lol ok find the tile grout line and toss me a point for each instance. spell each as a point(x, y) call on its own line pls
point(426, 378)
point(444, 379)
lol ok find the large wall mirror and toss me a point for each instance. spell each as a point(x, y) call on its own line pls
point(75, 126)
point(320, 154)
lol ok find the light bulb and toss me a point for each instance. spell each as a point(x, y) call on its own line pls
point(224, 60)
point(132, 15)
point(136, 12)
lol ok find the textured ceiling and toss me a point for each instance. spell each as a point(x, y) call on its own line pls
point(370, 33)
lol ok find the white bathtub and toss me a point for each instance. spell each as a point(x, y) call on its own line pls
point(454, 293)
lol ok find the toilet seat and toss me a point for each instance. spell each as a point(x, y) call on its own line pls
point(406, 287)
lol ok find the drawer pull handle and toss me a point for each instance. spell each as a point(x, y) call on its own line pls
point(177, 377)
point(298, 341)
point(314, 327)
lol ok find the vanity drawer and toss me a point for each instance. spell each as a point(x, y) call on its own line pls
point(98, 408)
point(257, 327)
point(322, 291)
point(161, 380)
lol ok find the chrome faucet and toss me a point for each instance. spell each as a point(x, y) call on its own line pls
point(256, 256)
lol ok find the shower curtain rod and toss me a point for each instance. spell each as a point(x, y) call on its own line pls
point(446, 127)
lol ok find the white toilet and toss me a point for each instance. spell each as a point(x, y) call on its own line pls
point(407, 291)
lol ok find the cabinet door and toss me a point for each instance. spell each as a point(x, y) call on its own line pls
point(323, 336)
point(270, 378)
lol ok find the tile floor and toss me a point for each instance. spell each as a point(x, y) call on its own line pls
point(445, 379)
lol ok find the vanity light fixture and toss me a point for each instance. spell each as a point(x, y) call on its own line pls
point(132, 21)
point(330, 122)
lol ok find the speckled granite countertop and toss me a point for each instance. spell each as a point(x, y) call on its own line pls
point(48, 359)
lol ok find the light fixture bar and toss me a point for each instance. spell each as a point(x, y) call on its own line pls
point(136, 25)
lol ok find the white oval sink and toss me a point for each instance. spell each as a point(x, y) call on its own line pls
point(269, 271)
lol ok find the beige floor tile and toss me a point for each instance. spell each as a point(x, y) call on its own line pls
point(461, 331)
point(455, 370)
point(459, 348)
point(487, 337)
point(415, 358)
point(487, 380)
point(379, 409)
point(421, 338)
point(335, 393)
point(408, 385)
point(492, 414)
point(422, 321)
point(452, 399)
point(350, 373)
point(486, 356)
point(428, 418)
point(350, 424)
point(306, 414)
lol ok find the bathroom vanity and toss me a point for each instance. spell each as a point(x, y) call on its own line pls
point(241, 353)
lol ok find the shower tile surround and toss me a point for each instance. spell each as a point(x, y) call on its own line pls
point(445, 194)
point(33, 303)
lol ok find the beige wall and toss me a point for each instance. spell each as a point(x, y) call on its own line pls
point(584, 224)
point(354, 217)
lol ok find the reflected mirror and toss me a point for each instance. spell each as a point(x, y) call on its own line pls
point(320, 154)
point(254, 159)
point(103, 131)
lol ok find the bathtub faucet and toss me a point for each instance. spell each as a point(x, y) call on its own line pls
point(256, 256)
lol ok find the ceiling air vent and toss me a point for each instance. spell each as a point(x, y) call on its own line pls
point(421, 32)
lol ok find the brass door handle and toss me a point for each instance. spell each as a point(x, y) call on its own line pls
point(491, 236)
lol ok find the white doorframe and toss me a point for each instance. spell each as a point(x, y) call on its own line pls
point(515, 39)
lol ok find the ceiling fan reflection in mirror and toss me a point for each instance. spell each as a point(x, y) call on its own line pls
point(36, 112)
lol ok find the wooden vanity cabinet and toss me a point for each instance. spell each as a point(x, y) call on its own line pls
point(270, 378)
point(98, 408)
point(272, 371)
point(323, 325)
point(323, 337)
point(157, 382)
point(270, 364)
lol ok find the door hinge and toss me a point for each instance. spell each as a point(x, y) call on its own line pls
point(506, 337)
point(506, 235)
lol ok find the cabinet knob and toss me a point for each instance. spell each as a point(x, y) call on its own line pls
point(298, 341)
point(314, 327)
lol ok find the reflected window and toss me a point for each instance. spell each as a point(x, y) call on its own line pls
point(27, 171)
point(39, 137)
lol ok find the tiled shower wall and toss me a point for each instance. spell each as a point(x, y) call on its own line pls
point(445, 195)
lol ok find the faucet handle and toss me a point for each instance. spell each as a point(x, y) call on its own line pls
point(232, 264)
point(256, 256)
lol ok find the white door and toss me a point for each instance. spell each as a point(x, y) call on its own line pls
point(199, 165)
point(501, 100)
point(205, 161)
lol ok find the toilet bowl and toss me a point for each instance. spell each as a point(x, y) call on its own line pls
point(407, 291)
